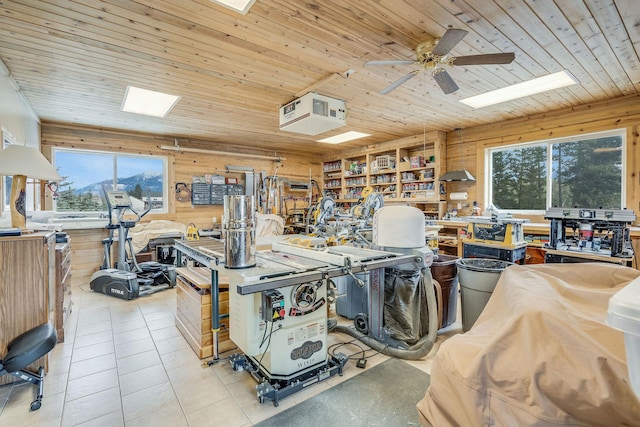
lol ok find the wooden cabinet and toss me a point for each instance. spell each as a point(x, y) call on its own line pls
point(193, 314)
point(403, 171)
point(62, 293)
point(26, 280)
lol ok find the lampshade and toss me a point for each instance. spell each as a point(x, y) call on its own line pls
point(22, 160)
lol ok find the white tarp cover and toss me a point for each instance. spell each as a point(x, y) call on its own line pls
point(145, 231)
point(540, 354)
point(269, 225)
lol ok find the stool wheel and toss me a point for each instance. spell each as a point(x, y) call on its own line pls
point(35, 405)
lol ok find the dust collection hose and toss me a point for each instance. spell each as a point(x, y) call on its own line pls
point(421, 348)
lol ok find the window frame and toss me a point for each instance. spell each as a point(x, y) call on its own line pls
point(549, 143)
point(114, 156)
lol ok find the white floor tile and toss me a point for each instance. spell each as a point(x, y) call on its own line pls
point(142, 379)
point(149, 401)
point(92, 366)
point(138, 361)
point(91, 384)
point(91, 407)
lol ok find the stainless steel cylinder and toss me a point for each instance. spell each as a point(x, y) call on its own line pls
point(239, 212)
point(240, 248)
point(238, 223)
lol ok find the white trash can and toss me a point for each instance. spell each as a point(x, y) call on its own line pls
point(477, 278)
point(624, 314)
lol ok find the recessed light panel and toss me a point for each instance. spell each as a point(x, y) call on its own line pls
point(344, 137)
point(148, 102)
point(241, 6)
point(520, 90)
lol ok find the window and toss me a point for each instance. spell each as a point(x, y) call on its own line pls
point(585, 171)
point(84, 172)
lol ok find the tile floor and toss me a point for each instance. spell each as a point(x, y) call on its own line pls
point(125, 363)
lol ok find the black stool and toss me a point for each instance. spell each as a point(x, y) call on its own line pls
point(26, 349)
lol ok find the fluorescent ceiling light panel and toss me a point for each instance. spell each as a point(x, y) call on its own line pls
point(344, 137)
point(520, 90)
point(148, 102)
point(241, 6)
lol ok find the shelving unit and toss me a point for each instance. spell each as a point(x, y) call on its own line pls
point(332, 178)
point(403, 171)
point(355, 177)
point(449, 239)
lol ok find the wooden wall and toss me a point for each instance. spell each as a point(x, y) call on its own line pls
point(620, 113)
point(86, 244)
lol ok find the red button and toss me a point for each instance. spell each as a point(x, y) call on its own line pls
point(282, 312)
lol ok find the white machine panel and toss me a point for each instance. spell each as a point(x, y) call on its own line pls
point(313, 114)
point(298, 339)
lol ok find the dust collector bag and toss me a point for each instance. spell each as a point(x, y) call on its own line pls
point(405, 305)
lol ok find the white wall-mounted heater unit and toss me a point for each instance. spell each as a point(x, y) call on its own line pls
point(312, 114)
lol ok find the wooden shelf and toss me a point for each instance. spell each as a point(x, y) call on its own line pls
point(384, 172)
point(417, 180)
point(419, 168)
point(392, 153)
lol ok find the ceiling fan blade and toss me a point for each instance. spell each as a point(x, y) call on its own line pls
point(398, 82)
point(490, 58)
point(444, 80)
point(450, 38)
point(390, 62)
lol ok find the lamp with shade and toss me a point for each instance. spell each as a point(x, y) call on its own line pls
point(22, 162)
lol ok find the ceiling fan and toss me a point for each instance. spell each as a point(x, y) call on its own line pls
point(432, 53)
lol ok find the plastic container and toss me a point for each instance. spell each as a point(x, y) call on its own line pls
point(624, 314)
point(445, 271)
point(478, 278)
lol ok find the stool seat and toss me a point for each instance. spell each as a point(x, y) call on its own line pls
point(29, 347)
point(25, 349)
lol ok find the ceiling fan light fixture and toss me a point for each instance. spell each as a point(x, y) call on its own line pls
point(520, 90)
point(344, 137)
point(432, 52)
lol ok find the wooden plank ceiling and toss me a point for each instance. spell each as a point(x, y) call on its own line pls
point(73, 60)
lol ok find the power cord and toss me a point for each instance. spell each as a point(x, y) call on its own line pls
point(363, 356)
point(271, 332)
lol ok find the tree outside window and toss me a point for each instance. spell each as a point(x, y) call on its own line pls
point(585, 172)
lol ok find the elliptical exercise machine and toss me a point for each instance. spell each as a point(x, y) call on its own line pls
point(127, 279)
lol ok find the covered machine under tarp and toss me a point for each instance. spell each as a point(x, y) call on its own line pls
point(540, 354)
point(143, 232)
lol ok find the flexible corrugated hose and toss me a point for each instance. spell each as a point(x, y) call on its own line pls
point(416, 351)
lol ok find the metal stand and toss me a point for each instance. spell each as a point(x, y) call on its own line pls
point(275, 387)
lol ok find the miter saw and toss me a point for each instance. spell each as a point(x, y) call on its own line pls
point(368, 205)
point(320, 213)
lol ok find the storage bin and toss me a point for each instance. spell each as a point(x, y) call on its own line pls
point(478, 278)
point(624, 314)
